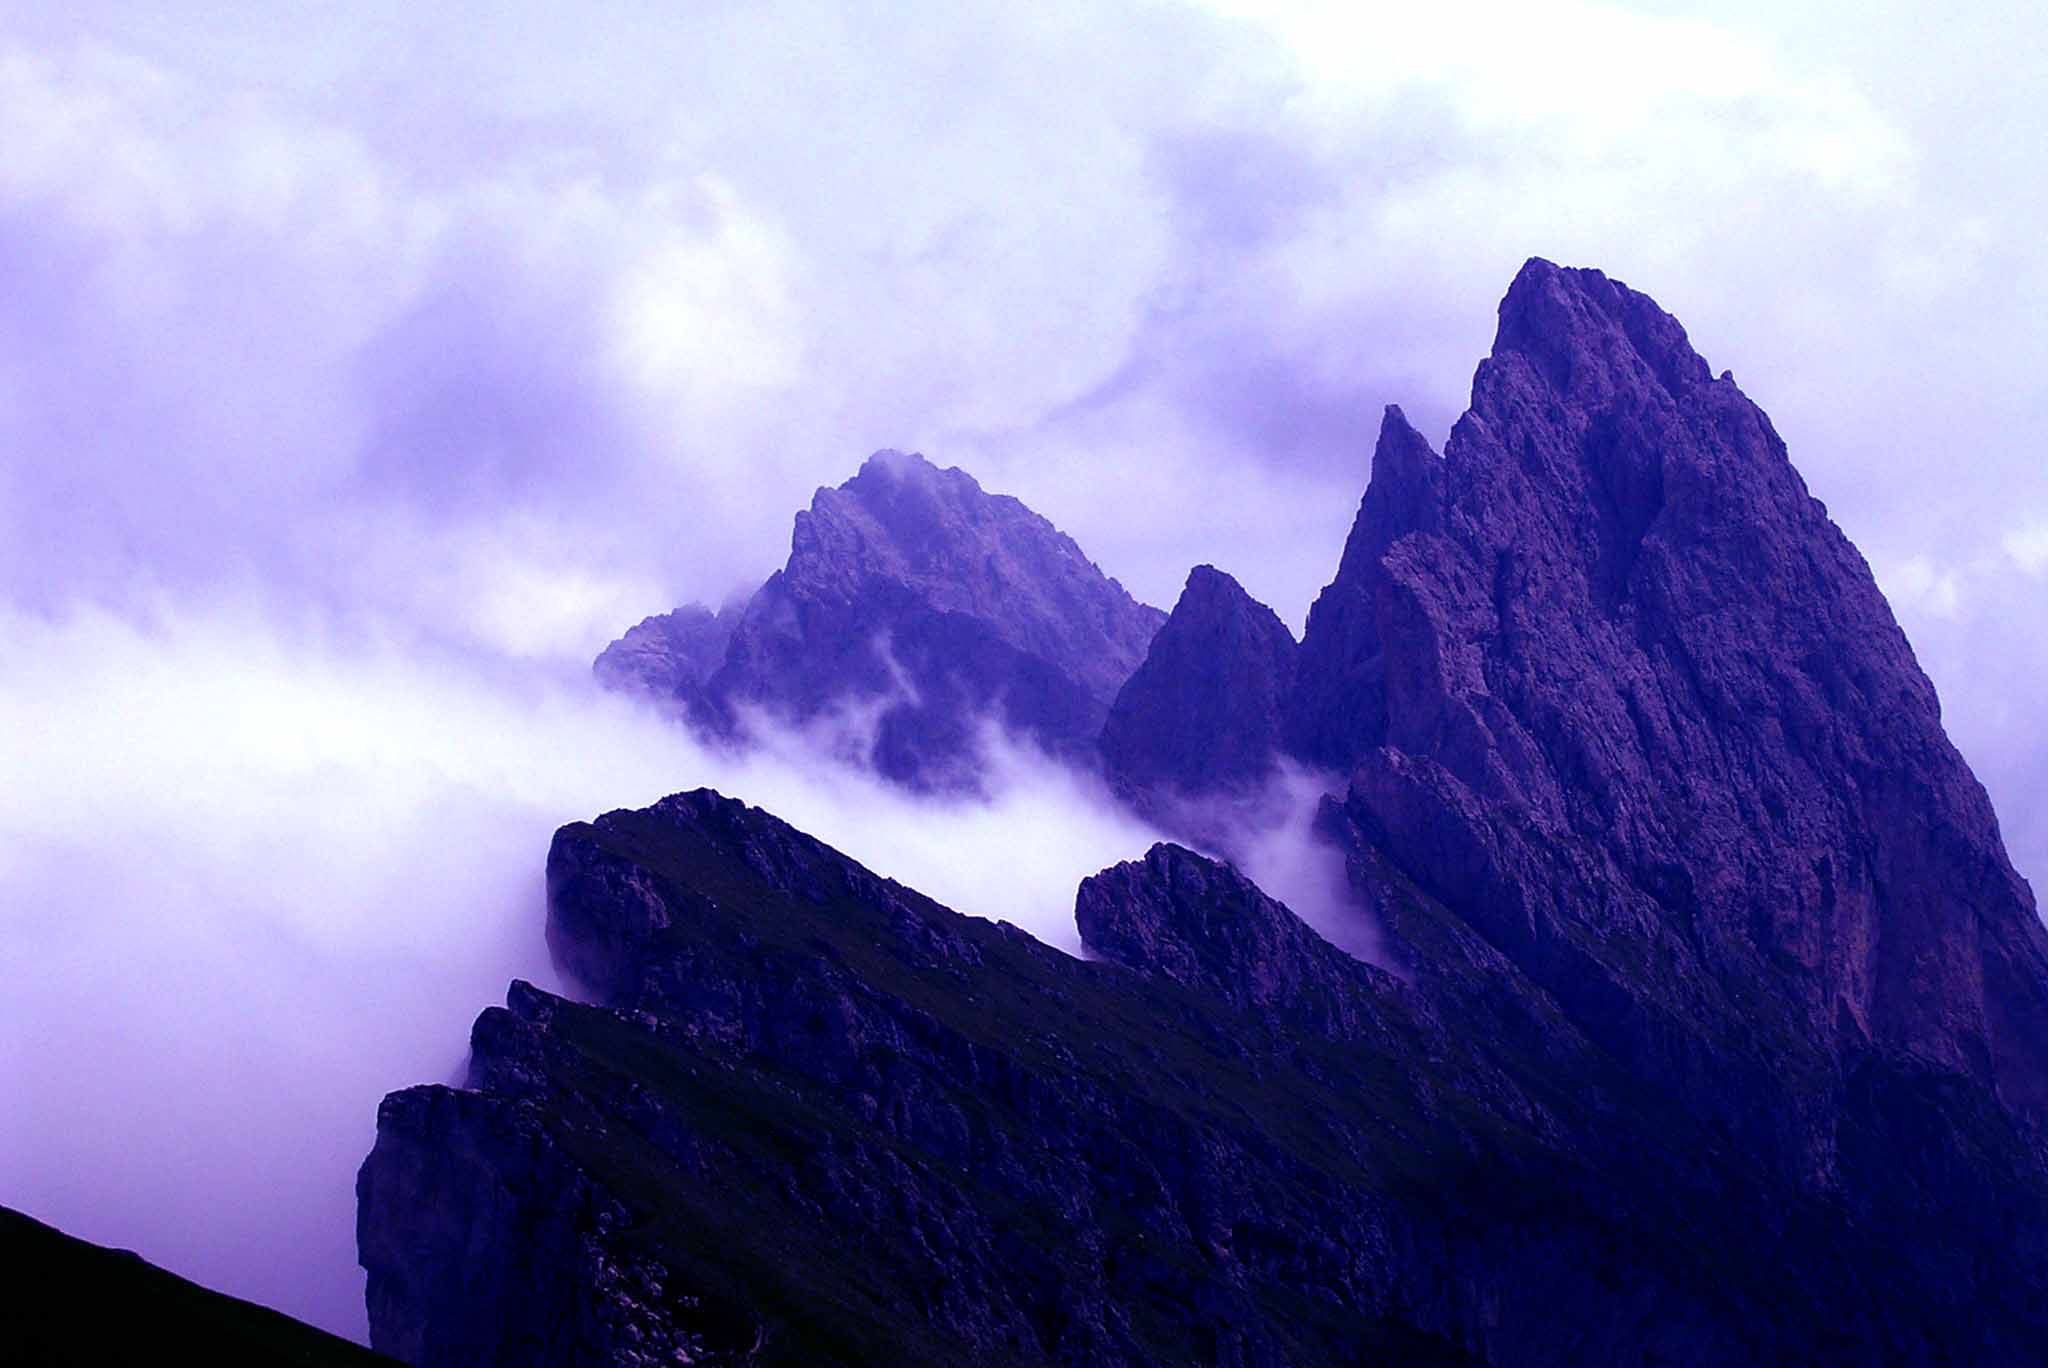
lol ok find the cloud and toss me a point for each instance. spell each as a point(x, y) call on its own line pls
point(2027, 547)
point(260, 873)
point(302, 275)
point(1919, 586)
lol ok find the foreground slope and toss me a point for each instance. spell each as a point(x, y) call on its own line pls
point(824, 1120)
point(67, 1302)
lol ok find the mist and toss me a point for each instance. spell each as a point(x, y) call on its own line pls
point(260, 873)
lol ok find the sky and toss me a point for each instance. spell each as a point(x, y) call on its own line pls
point(364, 368)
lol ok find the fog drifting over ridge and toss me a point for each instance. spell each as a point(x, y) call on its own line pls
point(259, 875)
point(361, 375)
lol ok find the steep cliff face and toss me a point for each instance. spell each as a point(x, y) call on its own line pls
point(919, 606)
point(1338, 702)
point(1202, 713)
point(1619, 692)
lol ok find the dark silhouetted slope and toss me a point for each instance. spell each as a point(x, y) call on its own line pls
point(66, 1302)
point(821, 1119)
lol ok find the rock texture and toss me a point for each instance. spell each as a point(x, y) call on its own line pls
point(915, 608)
point(670, 656)
point(64, 1302)
point(1204, 926)
point(822, 1120)
point(1202, 713)
point(1618, 691)
point(1717, 1031)
point(1338, 702)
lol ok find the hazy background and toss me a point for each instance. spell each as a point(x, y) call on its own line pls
point(363, 371)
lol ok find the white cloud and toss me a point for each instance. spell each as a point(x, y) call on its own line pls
point(261, 872)
point(1921, 584)
point(2028, 547)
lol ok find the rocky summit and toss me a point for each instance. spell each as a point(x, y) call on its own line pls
point(1202, 714)
point(914, 610)
point(1623, 697)
point(670, 656)
point(1713, 1028)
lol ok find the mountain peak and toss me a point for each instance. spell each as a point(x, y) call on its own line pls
point(920, 607)
point(1205, 583)
point(1589, 335)
point(1202, 712)
point(889, 470)
point(1623, 635)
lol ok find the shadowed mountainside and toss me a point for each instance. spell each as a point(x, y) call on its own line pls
point(1203, 712)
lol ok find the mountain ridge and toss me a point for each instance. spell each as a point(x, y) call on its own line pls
point(1709, 966)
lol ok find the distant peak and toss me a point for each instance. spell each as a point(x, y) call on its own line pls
point(1399, 440)
point(910, 468)
point(896, 464)
point(1578, 329)
point(1207, 581)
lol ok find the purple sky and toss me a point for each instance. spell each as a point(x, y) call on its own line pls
point(362, 372)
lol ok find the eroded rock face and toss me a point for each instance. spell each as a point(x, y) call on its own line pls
point(1338, 702)
point(1202, 713)
point(1620, 693)
point(1203, 925)
point(669, 656)
point(916, 608)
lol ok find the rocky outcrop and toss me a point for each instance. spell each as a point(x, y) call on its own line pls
point(1204, 926)
point(828, 1121)
point(915, 610)
point(669, 657)
point(69, 1304)
point(1202, 714)
point(1337, 705)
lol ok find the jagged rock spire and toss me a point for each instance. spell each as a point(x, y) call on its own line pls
point(1636, 707)
point(1202, 713)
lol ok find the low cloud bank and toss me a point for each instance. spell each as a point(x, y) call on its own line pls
point(259, 874)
